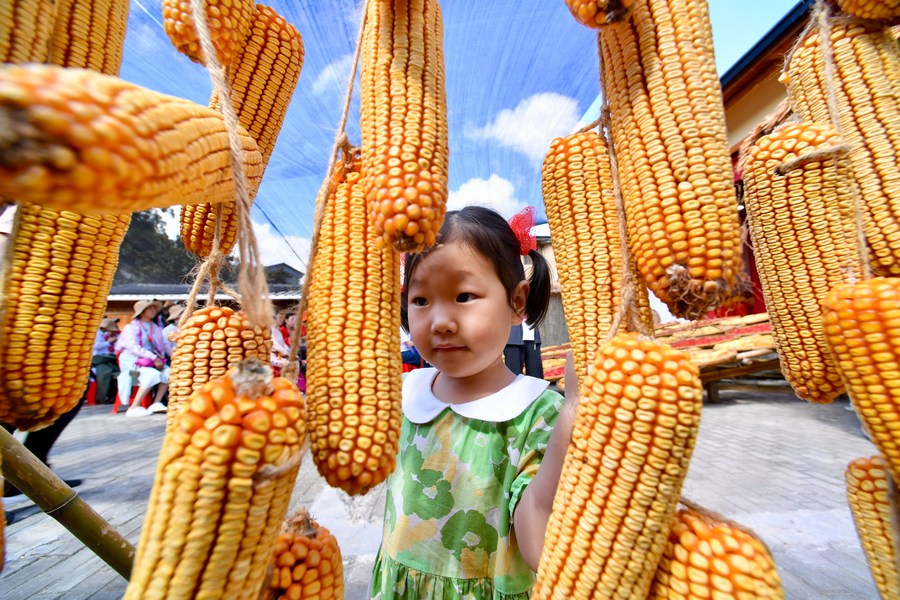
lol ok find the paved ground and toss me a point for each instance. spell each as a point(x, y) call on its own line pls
point(764, 459)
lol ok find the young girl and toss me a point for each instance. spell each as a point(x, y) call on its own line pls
point(477, 469)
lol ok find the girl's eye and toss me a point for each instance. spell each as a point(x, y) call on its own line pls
point(419, 301)
point(465, 297)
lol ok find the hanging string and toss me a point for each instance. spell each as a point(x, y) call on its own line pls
point(291, 371)
point(628, 307)
point(822, 22)
point(251, 277)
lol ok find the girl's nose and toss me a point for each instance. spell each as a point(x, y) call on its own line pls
point(443, 322)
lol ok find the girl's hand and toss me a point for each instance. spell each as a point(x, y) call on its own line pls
point(158, 362)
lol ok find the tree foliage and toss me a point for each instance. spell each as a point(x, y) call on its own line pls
point(148, 255)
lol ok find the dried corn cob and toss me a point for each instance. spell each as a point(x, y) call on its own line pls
point(867, 494)
point(633, 437)
point(262, 81)
point(60, 264)
point(306, 563)
point(59, 269)
point(212, 340)
point(353, 369)
point(25, 30)
point(596, 13)
point(222, 487)
point(228, 22)
point(403, 110)
point(709, 558)
point(131, 148)
point(862, 328)
point(89, 34)
point(870, 9)
point(800, 223)
point(867, 61)
point(581, 210)
point(668, 128)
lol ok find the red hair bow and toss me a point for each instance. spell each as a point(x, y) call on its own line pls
point(522, 224)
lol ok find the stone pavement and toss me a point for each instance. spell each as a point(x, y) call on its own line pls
point(763, 459)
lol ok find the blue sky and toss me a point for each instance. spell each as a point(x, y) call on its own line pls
point(518, 74)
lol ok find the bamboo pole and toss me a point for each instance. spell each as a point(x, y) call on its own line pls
point(54, 497)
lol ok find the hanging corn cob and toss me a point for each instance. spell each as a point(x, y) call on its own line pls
point(228, 22)
point(710, 558)
point(668, 129)
point(211, 341)
point(60, 264)
point(596, 13)
point(581, 210)
point(403, 116)
point(862, 328)
point(126, 149)
point(870, 9)
point(632, 440)
point(801, 226)
point(25, 30)
point(89, 34)
point(59, 270)
point(222, 487)
point(306, 563)
point(353, 369)
point(867, 494)
point(867, 69)
point(262, 79)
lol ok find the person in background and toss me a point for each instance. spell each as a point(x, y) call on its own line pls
point(290, 321)
point(142, 356)
point(171, 328)
point(531, 342)
point(408, 353)
point(280, 345)
point(104, 362)
point(514, 351)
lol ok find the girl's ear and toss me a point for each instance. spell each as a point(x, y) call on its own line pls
point(519, 297)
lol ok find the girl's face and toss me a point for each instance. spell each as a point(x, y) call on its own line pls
point(279, 319)
point(459, 311)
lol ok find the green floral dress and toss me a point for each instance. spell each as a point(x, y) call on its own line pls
point(461, 470)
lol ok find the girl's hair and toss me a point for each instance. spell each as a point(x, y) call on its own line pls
point(487, 233)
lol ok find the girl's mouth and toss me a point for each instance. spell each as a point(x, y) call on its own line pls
point(448, 348)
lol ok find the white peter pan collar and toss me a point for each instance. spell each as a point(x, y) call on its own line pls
point(420, 405)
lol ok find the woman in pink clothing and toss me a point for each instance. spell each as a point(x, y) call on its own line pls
point(142, 354)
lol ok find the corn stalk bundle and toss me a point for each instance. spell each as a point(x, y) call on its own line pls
point(868, 497)
point(211, 341)
point(228, 22)
point(353, 368)
point(668, 130)
point(306, 562)
point(706, 557)
point(633, 436)
point(126, 149)
point(866, 96)
point(862, 328)
point(26, 29)
point(403, 117)
point(222, 487)
point(801, 226)
point(262, 79)
point(580, 201)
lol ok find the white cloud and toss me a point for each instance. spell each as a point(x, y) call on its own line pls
point(275, 249)
point(333, 78)
point(149, 39)
point(494, 192)
point(531, 126)
point(171, 218)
